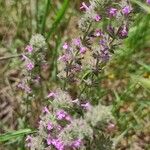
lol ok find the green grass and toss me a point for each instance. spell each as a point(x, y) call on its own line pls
point(58, 18)
point(14, 134)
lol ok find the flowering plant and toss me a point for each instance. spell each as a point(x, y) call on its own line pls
point(74, 86)
point(79, 121)
point(104, 25)
point(61, 128)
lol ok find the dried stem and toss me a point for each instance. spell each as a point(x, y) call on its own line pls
point(10, 57)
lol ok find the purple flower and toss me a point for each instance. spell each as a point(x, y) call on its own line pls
point(77, 143)
point(37, 79)
point(68, 118)
point(98, 33)
point(126, 10)
point(51, 95)
point(24, 57)
point(29, 66)
point(105, 54)
point(24, 87)
point(45, 110)
point(76, 68)
point(148, 1)
point(97, 18)
point(29, 144)
point(111, 127)
point(41, 123)
point(49, 126)
point(61, 114)
point(86, 106)
point(77, 42)
point(28, 140)
point(123, 32)
point(84, 7)
point(65, 46)
point(49, 141)
point(64, 58)
point(58, 144)
point(29, 48)
point(76, 101)
point(59, 127)
point(102, 42)
point(28, 89)
point(112, 12)
point(82, 50)
point(21, 85)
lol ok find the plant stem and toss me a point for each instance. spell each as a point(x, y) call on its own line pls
point(10, 57)
point(47, 7)
point(37, 11)
point(58, 18)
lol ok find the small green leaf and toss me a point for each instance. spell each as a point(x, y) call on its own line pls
point(119, 138)
point(14, 134)
point(142, 81)
point(147, 67)
point(145, 82)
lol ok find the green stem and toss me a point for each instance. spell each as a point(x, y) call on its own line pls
point(47, 7)
point(87, 32)
point(37, 11)
point(58, 19)
point(84, 88)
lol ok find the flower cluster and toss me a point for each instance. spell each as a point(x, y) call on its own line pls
point(59, 127)
point(35, 52)
point(70, 60)
point(104, 25)
point(34, 61)
point(74, 123)
point(61, 99)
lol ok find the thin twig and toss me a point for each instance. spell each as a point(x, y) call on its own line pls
point(10, 57)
